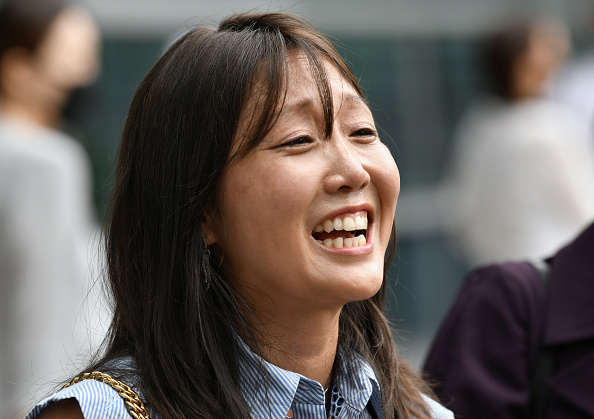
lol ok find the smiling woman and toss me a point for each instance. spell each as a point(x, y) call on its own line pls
point(252, 211)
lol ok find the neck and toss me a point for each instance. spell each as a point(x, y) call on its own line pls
point(303, 342)
point(34, 112)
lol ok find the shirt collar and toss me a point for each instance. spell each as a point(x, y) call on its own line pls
point(356, 381)
point(270, 391)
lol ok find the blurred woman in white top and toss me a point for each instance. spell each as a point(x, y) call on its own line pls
point(521, 182)
point(47, 49)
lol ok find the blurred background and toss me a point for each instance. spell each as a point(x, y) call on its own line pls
point(417, 62)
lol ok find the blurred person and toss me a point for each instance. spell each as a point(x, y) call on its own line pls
point(521, 181)
point(47, 49)
point(518, 343)
point(248, 239)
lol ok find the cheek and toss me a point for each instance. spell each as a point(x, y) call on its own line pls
point(260, 220)
point(266, 199)
point(70, 61)
point(387, 180)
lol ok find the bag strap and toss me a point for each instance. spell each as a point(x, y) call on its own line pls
point(545, 357)
point(132, 401)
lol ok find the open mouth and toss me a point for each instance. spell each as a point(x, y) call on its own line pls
point(349, 230)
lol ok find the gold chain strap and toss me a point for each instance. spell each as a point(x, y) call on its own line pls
point(133, 403)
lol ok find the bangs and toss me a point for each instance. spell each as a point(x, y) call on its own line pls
point(264, 97)
point(258, 61)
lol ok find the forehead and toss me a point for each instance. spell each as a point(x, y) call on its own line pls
point(301, 82)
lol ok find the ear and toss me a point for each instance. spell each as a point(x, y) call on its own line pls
point(208, 229)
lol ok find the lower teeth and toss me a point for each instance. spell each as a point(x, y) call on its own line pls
point(340, 242)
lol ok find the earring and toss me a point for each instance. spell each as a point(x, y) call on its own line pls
point(206, 264)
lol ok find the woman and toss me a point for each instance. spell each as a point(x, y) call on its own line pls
point(252, 209)
point(47, 224)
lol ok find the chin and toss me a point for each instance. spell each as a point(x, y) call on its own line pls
point(359, 291)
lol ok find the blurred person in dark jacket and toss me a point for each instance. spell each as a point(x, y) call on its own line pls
point(514, 337)
point(47, 49)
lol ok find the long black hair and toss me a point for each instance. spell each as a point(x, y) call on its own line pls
point(176, 142)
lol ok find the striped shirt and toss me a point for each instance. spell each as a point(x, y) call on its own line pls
point(96, 399)
point(271, 393)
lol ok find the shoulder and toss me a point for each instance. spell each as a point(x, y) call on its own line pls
point(500, 294)
point(495, 307)
point(437, 410)
point(96, 400)
point(32, 145)
point(510, 280)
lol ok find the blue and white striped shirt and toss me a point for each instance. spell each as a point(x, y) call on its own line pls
point(97, 400)
point(271, 392)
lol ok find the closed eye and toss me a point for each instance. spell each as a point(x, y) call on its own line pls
point(304, 139)
point(364, 133)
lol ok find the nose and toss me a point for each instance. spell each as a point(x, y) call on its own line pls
point(347, 169)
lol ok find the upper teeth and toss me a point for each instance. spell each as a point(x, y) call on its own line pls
point(346, 223)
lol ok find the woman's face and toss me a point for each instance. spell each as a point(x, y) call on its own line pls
point(548, 45)
point(68, 57)
point(289, 209)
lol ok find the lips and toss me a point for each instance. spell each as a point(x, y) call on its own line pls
point(345, 230)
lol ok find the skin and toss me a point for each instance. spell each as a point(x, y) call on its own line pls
point(272, 200)
point(548, 46)
point(63, 409)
